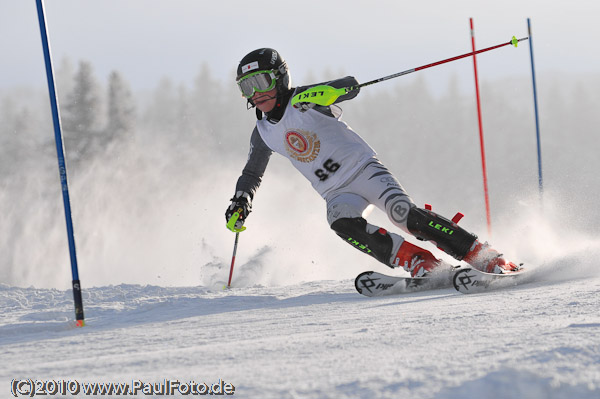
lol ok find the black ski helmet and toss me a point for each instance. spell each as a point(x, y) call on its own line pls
point(266, 59)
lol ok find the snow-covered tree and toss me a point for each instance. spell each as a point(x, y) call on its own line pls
point(80, 114)
point(121, 108)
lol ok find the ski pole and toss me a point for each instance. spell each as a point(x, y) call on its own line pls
point(231, 226)
point(326, 95)
point(237, 236)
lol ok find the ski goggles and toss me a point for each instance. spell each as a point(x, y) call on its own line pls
point(257, 82)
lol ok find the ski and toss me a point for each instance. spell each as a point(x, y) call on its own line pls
point(470, 281)
point(377, 284)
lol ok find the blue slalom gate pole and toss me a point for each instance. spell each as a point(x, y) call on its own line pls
point(535, 104)
point(62, 166)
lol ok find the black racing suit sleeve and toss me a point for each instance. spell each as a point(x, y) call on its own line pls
point(258, 158)
point(348, 81)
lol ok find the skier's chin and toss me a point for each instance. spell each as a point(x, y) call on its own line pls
point(264, 105)
point(265, 101)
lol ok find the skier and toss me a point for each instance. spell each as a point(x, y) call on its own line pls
point(345, 171)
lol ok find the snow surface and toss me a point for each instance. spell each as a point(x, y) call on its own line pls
point(293, 325)
point(318, 339)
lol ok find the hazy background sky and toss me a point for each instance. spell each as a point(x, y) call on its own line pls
point(148, 39)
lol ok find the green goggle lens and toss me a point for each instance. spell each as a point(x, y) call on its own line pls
point(257, 82)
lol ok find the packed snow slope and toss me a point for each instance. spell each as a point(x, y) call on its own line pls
point(318, 339)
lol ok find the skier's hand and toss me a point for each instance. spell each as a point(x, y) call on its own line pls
point(303, 107)
point(242, 204)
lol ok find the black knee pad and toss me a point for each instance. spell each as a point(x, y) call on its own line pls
point(447, 235)
point(354, 231)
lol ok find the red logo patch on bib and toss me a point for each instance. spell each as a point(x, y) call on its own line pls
point(302, 146)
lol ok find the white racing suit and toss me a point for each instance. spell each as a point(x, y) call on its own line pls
point(345, 171)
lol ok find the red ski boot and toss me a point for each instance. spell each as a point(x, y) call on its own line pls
point(415, 260)
point(487, 259)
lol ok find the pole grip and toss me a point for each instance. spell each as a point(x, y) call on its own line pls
point(231, 223)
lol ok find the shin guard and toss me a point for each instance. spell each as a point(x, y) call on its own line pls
point(447, 235)
point(367, 238)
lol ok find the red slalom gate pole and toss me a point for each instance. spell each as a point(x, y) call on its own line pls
point(483, 167)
